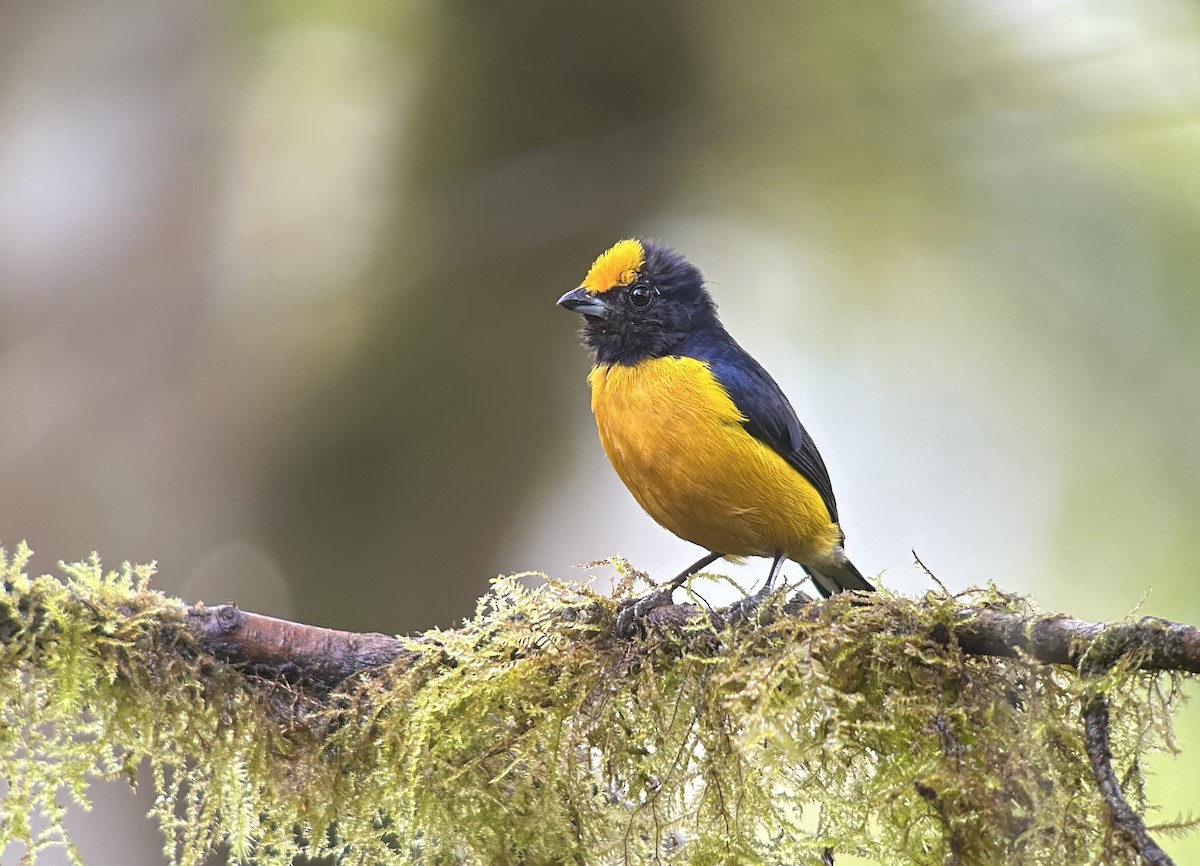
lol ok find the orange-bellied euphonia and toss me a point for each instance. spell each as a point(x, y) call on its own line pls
point(696, 428)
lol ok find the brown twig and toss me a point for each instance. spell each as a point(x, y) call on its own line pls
point(928, 573)
point(279, 648)
point(1126, 821)
point(1160, 644)
point(931, 797)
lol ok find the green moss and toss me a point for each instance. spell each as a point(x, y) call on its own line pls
point(529, 736)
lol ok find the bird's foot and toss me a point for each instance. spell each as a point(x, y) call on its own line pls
point(631, 617)
point(744, 608)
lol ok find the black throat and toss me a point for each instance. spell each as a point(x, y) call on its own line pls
point(681, 310)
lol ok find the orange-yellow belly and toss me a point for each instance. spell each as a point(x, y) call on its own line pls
point(676, 439)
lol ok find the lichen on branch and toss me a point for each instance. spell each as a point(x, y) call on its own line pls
point(532, 735)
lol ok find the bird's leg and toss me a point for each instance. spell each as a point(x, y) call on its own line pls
point(703, 562)
point(634, 609)
point(742, 608)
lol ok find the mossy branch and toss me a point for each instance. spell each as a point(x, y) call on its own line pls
point(939, 730)
point(322, 656)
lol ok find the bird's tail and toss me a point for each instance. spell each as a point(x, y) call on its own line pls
point(837, 575)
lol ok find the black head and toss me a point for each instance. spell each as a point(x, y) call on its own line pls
point(640, 300)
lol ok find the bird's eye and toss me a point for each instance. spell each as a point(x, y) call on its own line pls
point(641, 296)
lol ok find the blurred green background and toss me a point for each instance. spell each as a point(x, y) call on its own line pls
point(277, 288)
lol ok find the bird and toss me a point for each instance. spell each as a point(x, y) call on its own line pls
point(697, 430)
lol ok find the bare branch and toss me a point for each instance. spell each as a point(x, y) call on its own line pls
point(290, 650)
point(1162, 645)
point(1126, 821)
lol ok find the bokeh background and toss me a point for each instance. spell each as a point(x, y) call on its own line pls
point(277, 288)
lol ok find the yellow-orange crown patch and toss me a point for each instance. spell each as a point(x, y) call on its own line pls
point(617, 266)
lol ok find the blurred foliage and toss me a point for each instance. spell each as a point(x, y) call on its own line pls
point(410, 453)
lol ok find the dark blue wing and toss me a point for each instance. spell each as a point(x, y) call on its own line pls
point(770, 418)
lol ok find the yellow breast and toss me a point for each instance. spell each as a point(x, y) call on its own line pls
point(676, 439)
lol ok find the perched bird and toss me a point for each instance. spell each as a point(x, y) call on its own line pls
point(699, 432)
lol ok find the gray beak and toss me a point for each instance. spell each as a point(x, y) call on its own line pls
point(584, 302)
